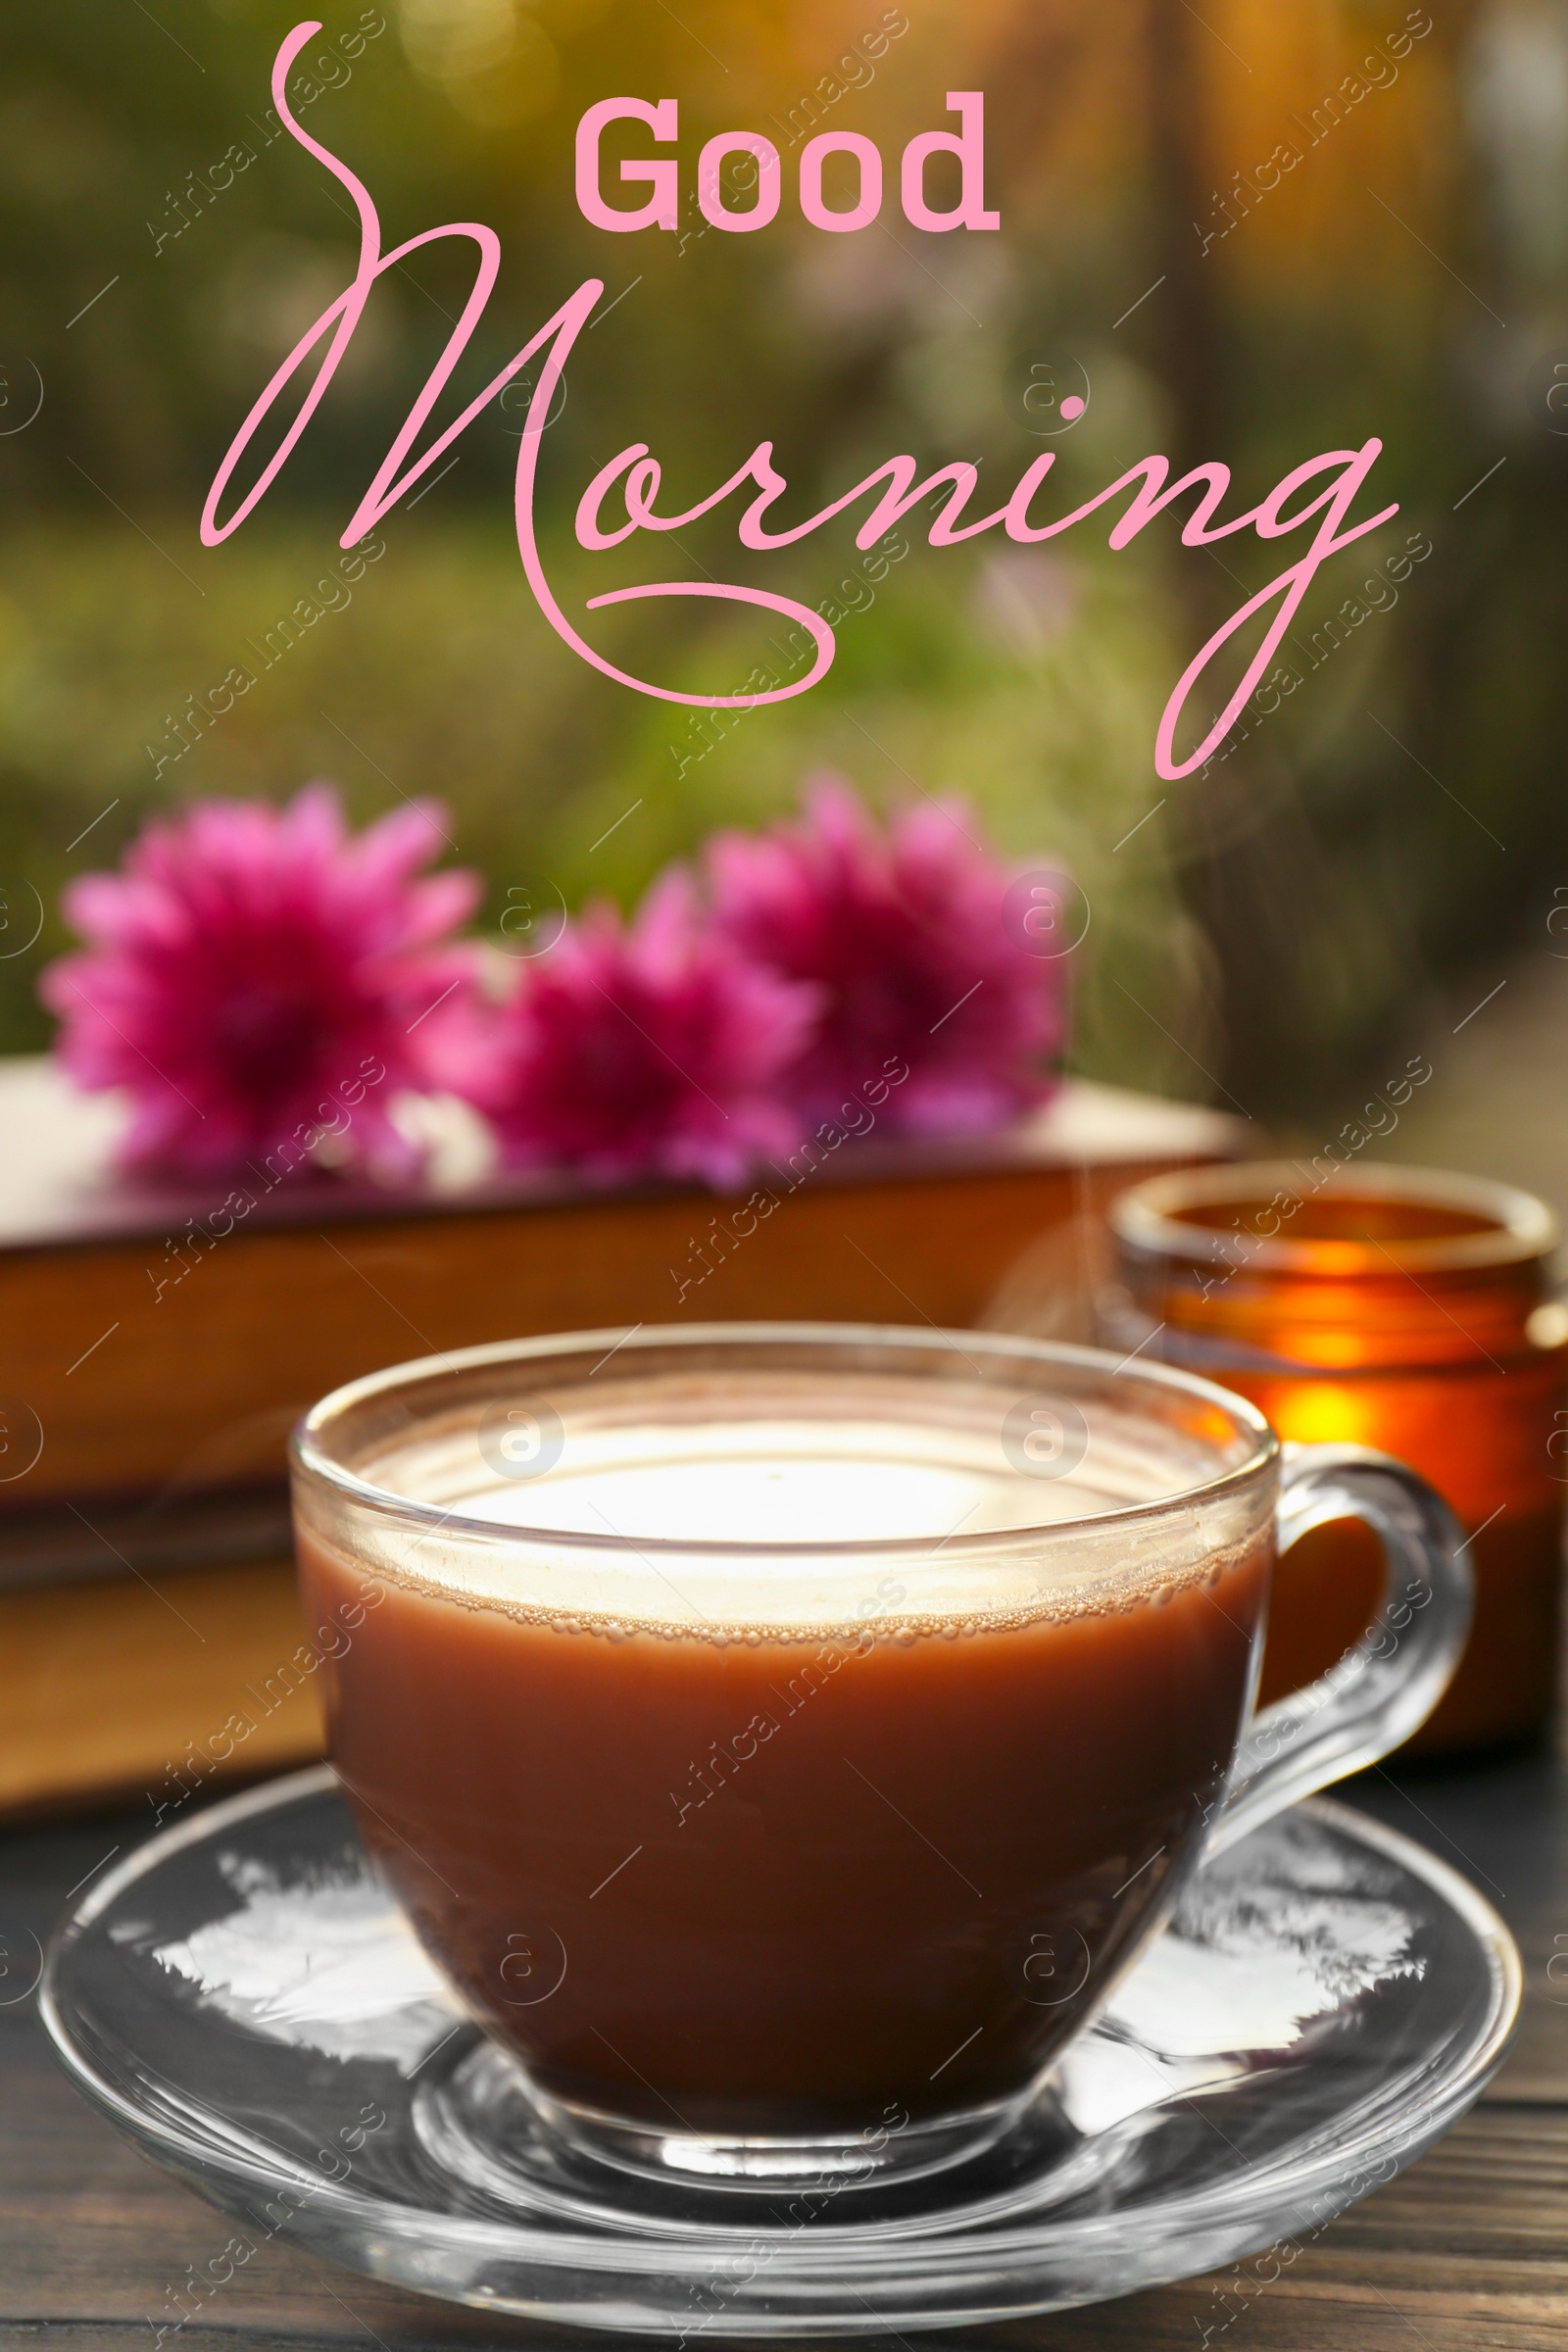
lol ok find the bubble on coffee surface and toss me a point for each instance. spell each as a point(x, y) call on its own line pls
point(825, 1642)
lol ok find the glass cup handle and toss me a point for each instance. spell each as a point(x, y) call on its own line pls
point(1386, 1686)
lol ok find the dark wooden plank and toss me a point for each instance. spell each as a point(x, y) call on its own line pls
point(1504, 1826)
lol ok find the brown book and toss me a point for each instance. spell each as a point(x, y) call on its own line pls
point(139, 1687)
point(157, 1342)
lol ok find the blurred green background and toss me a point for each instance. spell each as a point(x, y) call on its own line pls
point(1342, 886)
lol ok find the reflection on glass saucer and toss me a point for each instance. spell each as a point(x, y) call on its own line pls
point(244, 1998)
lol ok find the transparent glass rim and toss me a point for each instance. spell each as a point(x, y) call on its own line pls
point(1145, 1220)
point(313, 1462)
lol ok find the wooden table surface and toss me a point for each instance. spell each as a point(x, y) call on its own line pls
point(1468, 2249)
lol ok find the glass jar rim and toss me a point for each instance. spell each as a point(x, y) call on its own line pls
point(1519, 1228)
point(311, 1459)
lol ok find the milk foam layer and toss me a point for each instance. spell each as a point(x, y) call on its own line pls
point(782, 1482)
point(686, 1504)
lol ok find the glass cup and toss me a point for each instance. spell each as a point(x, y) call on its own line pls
point(783, 1736)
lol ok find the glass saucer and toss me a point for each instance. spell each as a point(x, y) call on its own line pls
point(243, 1998)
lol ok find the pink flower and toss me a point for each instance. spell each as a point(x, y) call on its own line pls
point(653, 1048)
point(924, 946)
point(255, 975)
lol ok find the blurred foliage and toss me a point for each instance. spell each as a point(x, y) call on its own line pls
point(1263, 933)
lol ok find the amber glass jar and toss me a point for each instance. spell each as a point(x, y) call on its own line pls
point(1392, 1308)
